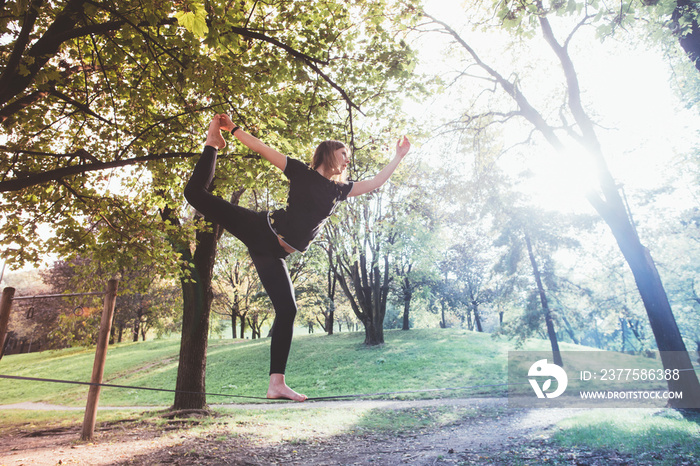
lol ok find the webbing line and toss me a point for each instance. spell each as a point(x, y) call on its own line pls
point(228, 395)
point(111, 385)
point(423, 390)
point(330, 397)
point(66, 295)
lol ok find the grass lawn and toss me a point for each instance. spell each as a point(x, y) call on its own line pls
point(319, 366)
point(613, 436)
point(657, 435)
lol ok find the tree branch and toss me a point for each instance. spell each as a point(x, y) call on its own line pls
point(84, 108)
point(265, 38)
point(526, 109)
point(139, 28)
point(8, 110)
point(310, 61)
point(18, 184)
point(63, 29)
point(12, 65)
point(12, 83)
point(99, 28)
point(588, 134)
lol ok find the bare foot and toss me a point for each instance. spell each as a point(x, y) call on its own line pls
point(278, 390)
point(214, 137)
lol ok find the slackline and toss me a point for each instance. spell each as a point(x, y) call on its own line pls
point(250, 397)
point(131, 387)
point(319, 398)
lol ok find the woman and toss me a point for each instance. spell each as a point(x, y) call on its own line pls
point(271, 236)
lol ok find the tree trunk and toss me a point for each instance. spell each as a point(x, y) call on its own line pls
point(443, 323)
point(669, 341)
point(556, 354)
point(330, 318)
point(233, 325)
point(674, 354)
point(406, 307)
point(331, 280)
point(598, 341)
point(407, 295)
point(691, 40)
point(254, 327)
point(137, 326)
point(634, 327)
point(197, 296)
point(380, 293)
point(615, 213)
point(477, 319)
point(369, 300)
point(624, 333)
point(570, 330)
point(252, 330)
point(372, 336)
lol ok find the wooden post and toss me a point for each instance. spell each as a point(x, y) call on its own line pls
point(100, 357)
point(5, 306)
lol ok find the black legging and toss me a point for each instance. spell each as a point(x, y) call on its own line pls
point(268, 256)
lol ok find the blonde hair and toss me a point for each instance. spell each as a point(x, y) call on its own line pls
point(325, 156)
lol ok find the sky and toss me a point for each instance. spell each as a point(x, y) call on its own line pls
point(643, 125)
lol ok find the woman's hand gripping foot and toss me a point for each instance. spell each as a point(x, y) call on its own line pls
point(214, 137)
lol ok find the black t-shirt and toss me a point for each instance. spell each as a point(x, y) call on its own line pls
point(312, 199)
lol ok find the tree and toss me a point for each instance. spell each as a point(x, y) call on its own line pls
point(146, 302)
point(363, 259)
point(668, 20)
point(236, 285)
point(331, 281)
point(532, 236)
point(577, 127)
point(32, 321)
point(469, 268)
point(362, 236)
point(415, 244)
point(258, 315)
point(548, 319)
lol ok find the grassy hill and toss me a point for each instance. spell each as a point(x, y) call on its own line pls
point(320, 365)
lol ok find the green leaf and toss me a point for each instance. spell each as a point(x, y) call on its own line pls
point(194, 21)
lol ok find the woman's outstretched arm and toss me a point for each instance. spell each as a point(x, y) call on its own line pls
point(366, 186)
point(251, 142)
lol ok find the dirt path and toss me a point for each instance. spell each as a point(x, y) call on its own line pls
point(476, 438)
point(118, 444)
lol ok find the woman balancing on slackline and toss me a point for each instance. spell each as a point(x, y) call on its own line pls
point(271, 236)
